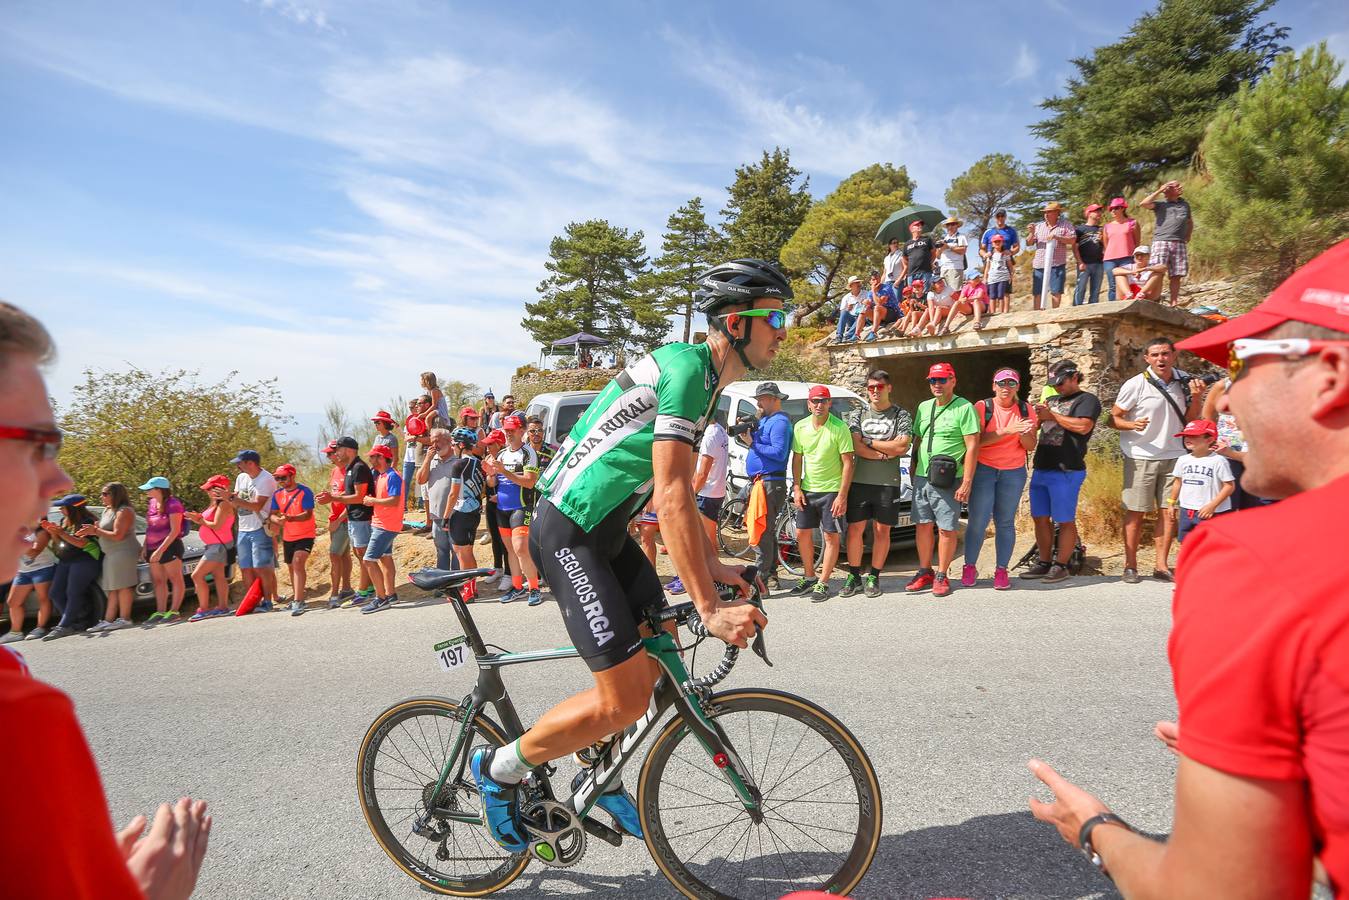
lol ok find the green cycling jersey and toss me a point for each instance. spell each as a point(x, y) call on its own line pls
point(605, 463)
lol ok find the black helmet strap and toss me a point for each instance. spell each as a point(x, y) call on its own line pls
point(738, 344)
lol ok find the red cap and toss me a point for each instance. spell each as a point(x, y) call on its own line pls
point(382, 416)
point(1092, 207)
point(330, 449)
point(415, 425)
point(1317, 293)
point(468, 411)
point(1118, 203)
point(382, 450)
point(997, 236)
point(495, 436)
point(215, 481)
point(1198, 427)
point(512, 423)
point(907, 292)
point(941, 370)
point(284, 469)
point(819, 392)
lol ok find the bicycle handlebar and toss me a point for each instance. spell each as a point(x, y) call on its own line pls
point(687, 614)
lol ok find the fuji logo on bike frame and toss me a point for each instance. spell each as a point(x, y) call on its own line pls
point(613, 757)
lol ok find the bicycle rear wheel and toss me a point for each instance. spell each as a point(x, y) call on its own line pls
point(821, 801)
point(733, 530)
point(400, 760)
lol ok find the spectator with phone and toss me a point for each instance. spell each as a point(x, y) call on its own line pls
point(918, 256)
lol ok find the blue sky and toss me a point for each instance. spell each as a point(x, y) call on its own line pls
point(343, 195)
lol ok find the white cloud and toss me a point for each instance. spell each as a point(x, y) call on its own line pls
point(1025, 65)
point(300, 14)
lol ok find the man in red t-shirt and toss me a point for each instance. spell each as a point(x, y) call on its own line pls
point(1259, 645)
point(56, 836)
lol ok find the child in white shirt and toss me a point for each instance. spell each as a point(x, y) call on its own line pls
point(1202, 483)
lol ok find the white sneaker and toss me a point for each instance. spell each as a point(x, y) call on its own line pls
point(505, 584)
point(102, 625)
point(119, 624)
point(485, 539)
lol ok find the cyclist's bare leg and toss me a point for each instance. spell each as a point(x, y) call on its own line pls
point(620, 695)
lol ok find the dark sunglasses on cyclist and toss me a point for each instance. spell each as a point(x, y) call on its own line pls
point(775, 318)
point(938, 380)
point(48, 440)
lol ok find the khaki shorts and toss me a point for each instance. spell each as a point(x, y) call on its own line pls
point(1146, 482)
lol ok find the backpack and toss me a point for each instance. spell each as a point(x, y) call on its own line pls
point(988, 410)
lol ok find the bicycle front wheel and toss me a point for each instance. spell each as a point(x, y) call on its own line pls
point(398, 766)
point(821, 803)
point(733, 530)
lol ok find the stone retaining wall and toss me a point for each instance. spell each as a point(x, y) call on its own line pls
point(534, 382)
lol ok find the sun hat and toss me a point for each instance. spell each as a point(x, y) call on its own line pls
point(159, 481)
point(999, 212)
point(952, 220)
point(1004, 374)
point(1142, 250)
point(215, 481)
point(769, 389)
point(1093, 207)
point(1118, 203)
point(819, 392)
point(998, 236)
point(415, 425)
point(246, 456)
point(1053, 206)
point(941, 370)
point(1199, 427)
point(381, 450)
point(382, 416)
point(854, 280)
point(71, 500)
point(974, 273)
point(1317, 294)
point(284, 470)
point(1062, 371)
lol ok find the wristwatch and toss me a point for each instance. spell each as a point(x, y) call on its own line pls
point(1084, 837)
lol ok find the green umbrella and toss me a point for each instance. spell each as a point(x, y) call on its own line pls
point(897, 226)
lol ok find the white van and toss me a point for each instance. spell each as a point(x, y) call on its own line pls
point(559, 412)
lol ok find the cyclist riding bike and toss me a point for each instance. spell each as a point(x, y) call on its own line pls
point(637, 440)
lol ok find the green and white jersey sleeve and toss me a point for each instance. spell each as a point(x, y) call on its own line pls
point(605, 463)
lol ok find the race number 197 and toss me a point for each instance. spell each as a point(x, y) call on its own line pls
point(453, 653)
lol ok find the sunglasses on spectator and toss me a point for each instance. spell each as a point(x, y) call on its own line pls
point(48, 440)
point(873, 388)
point(938, 380)
point(1007, 383)
point(1247, 348)
point(776, 318)
point(818, 400)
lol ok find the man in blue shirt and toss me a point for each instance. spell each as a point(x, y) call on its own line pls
point(770, 443)
point(1011, 241)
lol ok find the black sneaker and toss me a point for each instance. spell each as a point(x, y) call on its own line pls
point(873, 583)
point(1130, 576)
point(820, 592)
point(851, 585)
point(803, 585)
point(1039, 570)
point(1056, 573)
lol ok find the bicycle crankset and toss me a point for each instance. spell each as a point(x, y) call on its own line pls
point(557, 838)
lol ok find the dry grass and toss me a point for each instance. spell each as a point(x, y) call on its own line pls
point(1100, 513)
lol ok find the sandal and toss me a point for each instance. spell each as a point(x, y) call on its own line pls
point(978, 326)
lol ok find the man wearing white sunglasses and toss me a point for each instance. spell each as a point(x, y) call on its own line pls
point(1259, 648)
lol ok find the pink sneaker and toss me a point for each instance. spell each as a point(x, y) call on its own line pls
point(1001, 580)
point(969, 575)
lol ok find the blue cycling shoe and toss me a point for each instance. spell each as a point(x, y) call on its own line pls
point(619, 805)
point(500, 805)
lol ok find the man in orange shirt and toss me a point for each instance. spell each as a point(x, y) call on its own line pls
point(387, 504)
point(56, 836)
point(339, 540)
point(1259, 647)
point(293, 513)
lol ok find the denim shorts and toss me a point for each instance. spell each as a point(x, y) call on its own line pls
point(1053, 493)
point(38, 576)
point(934, 504)
point(359, 532)
point(1057, 276)
point(217, 553)
point(256, 550)
point(381, 544)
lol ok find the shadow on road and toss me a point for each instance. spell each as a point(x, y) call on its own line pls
point(1009, 855)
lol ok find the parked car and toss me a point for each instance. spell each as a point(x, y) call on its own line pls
point(559, 411)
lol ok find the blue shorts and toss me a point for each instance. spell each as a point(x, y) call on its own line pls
point(381, 544)
point(1188, 520)
point(933, 504)
point(359, 532)
point(38, 576)
point(1053, 493)
point(256, 550)
point(710, 507)
point(1057, 275)
point(998, 290)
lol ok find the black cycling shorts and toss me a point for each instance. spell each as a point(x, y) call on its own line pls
point(876, 502)
point(463, 526)
point(290, 548)
point(511, 519)
point(602, 580)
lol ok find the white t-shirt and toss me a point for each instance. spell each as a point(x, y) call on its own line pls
point(44, 559)
point(953, 249)
point(716, 444)
point(943, 299)
point(893, 263)
point(847, 303)
point(1138, 398)
point(1201, 479)
point(250, 488)
point(998, 271)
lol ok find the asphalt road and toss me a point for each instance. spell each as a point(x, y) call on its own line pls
point(262, 717)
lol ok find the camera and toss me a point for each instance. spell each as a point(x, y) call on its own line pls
point(742, 425)
point(1207, 378)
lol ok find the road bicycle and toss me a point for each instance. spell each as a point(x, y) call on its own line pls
point(744, 793)
point(733, 535)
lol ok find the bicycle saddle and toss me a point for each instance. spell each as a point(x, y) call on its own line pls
point(444, 579)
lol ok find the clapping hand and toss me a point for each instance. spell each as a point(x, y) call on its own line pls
point(166, 861)
point(1016, 426)
point(85, 531)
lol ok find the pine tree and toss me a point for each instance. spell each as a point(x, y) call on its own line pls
point(1278, 155)
point(838, 236)
point(996, 181)
point(691, 246)
point(595, 284)
point(765, 208)
point(1139, 106)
